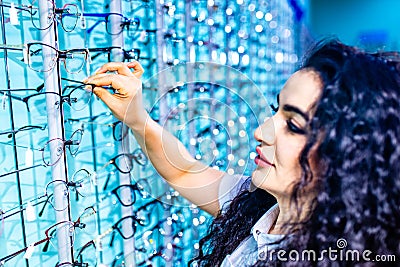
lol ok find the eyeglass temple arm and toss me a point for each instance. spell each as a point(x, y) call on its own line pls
point(107, 181)
point(9, 47)
point(79, 82)
point(45, 204)
point(16, 97)
point(11, 256)
point(101, 50)
point(27, 8)
point(21, 210)
point(20, 170)
point(96, 15)
point(112, 239)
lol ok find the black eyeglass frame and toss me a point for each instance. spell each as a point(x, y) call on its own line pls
point(60, 54)
point(127, 54)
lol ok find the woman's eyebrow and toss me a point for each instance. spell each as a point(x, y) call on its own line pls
point(290, 108)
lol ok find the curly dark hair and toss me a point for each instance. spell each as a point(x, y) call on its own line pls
point(356, 132)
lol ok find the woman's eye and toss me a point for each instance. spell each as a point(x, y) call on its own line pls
point(293, 128)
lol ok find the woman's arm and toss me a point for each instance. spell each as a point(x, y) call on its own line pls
point(192, 179)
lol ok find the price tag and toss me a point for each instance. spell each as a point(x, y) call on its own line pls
point(13, 15)
point(29, 157)
point(29, 251)
point(30, 212)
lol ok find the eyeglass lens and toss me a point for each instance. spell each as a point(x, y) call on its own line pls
point(74, 142)
point(125, 231)
point(118, 131)
point(82, 181)
point(43, 58)
point(48, 20)
point(87, 254)
point(79, 97)
point(62, 229)
point(123, 163)
point(61, 190)
point(74, 60)
point(53, 151)
point(69, 17)
point(114, 23)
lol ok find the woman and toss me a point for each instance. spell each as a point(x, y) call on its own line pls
point(330, 161)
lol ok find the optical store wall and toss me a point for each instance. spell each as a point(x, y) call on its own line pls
point(75, 187)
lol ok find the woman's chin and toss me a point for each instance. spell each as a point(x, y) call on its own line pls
point(259, 178)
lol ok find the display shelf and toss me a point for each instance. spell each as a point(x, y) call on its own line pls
point(211, 70)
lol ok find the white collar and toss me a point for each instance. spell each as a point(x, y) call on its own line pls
point(264, 224)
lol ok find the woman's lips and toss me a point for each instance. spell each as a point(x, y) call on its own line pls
point(261, 161)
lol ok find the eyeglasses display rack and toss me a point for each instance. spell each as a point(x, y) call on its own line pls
point(75, 187)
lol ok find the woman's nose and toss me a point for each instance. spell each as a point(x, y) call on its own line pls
point(265, 133)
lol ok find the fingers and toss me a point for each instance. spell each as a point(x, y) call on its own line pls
point(105, 96)
point(108, 79)
point(137, 68)
point(119, 67)
point(123, 68)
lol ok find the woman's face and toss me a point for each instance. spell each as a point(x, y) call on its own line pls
point(283, 136)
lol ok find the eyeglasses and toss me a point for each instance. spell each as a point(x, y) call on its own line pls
point(115, 23)
point(37, 89)
point(83, 182)
point(21, 170)
point(78, 98)
point(80, 183)
point(51, 236)
point(117, 130)
point(123, 161)
point(114, 51)
point(147, 211)
point(68, 15)
point(124, 232)
point(125, 193)
point(18, 209)
point(7, 135)
point(42, 57)
point(65, 228)
point(142, 182)
point(53, 149)
point(87, 253)
point(40, 53)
